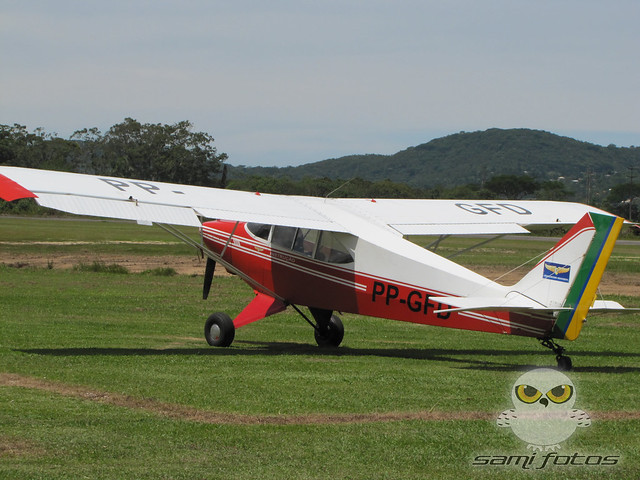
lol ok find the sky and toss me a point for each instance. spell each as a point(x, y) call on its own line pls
point(288, 82)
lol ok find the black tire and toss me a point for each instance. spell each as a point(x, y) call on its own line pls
point(219, 330)
point(331, 333)
point(564, 363)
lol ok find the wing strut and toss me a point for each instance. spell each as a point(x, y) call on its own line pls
point(229, 239)
point(433, 246)
point(315, 327)
point(464, 250)
point(436, 243)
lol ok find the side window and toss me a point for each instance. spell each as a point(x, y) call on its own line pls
point(321, 245)
point(305, 242)
point(331, 250)
point(283, 236)
point(260, 230)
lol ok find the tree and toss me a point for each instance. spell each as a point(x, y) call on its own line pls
point(624, 200)
point(512, 186)
point(89, 156)
point(170, 153)
point(552, 190)
point(19, 147)
point(10, 144)
point(263, 184)
point(468, 191)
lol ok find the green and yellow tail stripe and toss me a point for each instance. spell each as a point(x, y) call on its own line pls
point(583, 291)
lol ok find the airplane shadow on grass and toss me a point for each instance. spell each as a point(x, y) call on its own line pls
point(464, 358)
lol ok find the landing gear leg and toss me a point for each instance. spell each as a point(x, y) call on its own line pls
point(564, 362)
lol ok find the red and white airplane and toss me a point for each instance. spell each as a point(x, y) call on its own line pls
point(350, 255)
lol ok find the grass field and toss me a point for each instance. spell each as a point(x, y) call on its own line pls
point(108, 376)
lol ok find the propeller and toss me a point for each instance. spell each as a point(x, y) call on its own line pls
point(208, 277)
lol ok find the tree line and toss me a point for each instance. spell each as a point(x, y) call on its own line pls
point(502, 186)
point(171, 153)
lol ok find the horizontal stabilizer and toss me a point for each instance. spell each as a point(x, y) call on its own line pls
point(513, 303)
point(610, 306)
point(472, 304)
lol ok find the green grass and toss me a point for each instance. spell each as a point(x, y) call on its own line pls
point(101, 267)
point(140, 337)
point(55, 235)
point(161, 272)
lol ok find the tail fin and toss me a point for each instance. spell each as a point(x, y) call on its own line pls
point(567, 278)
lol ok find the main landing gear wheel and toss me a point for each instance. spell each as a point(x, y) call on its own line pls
point(219, 330)
point(330, 333)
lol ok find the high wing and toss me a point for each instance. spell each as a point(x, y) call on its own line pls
point(148, 202)
point(157, 202)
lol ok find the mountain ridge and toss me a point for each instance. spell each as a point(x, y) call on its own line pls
point(474, 157)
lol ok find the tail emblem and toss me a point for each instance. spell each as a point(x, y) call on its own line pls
point(555, 271)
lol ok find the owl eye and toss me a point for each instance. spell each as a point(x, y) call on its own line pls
point(560, 394)
point(527, 393)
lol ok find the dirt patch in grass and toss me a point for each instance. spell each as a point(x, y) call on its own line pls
point(183, 412)
point(19, 447)
point(184, 265)
point(612, 283)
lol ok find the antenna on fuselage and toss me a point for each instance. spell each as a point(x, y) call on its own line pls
point(336, 189)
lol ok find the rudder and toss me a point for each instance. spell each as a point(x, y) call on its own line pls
point(583, 292)
point(568, 276)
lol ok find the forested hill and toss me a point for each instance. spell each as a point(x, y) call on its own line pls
point(465, 158)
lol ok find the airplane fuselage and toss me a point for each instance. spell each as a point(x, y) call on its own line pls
point(350, 274)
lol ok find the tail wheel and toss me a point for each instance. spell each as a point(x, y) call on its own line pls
point(330, 333)
point(219, 330)
point(564, 363)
